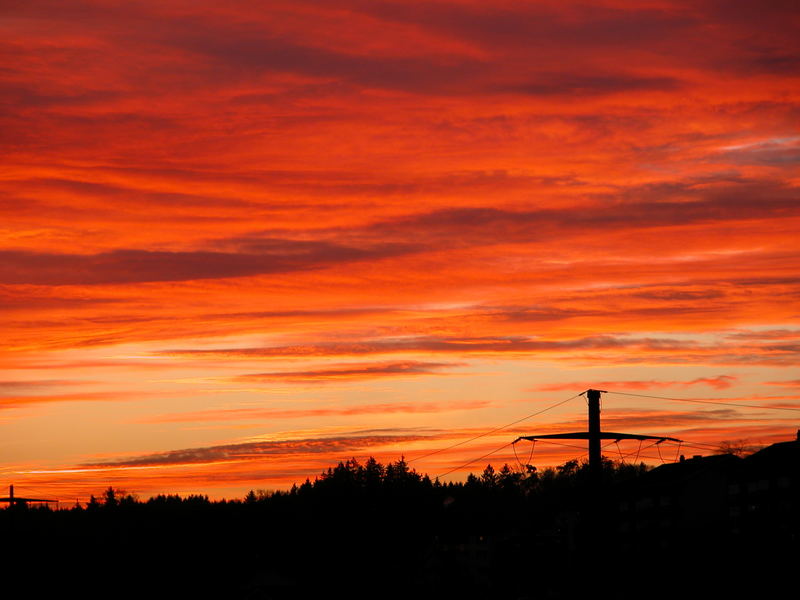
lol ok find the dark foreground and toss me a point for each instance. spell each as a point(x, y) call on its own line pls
point(702, 528)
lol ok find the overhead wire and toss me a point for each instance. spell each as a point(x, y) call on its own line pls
point(560, 444)
point(677, 452)
point(530, 456)
point(638, 452)
point(696, 446)
point(576, 458)
point(704, 444)
point(34, 490)
point(496, 429)
point(699, 445)
point(658, 447)
point(474, 460)
point(519, 462)
point(708, 402)
point(503, 446)
point(498, 450)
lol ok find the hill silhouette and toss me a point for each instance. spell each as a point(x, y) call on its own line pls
point(375, 530)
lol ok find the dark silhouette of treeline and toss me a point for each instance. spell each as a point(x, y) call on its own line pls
point(365, 530)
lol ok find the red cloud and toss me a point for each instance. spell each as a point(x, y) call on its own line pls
point(349, 371)
point(231, 414)
point(719, 382)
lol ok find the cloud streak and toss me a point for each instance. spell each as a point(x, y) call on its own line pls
point(720, 382)
point(235, 414)
point(259, 450)
point(140, 266)
point(350, 371)
point(429, 344)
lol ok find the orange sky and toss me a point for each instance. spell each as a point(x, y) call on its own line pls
point(243, 241)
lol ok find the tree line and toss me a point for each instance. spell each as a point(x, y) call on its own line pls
point(359, 528)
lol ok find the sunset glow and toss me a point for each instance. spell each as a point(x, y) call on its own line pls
point(241, 242)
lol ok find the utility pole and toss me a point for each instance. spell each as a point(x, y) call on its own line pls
point(593, 515)
point(595, 457)
point(594, 435)
point(16, 500)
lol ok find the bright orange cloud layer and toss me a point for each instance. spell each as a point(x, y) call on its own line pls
point(451, 213)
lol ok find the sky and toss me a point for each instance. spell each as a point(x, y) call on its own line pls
point(243, 241)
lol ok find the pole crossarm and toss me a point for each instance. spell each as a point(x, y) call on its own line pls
point(594, 436)
point(13, 499)
point(16, 499)
point(602, 435)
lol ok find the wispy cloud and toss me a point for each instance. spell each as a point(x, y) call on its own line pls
point(20, 401)
point(720, 382)
point(140, 266)
point(235, 414)
point(454, 345)
point(351, 371)
point(259, 450)
point(791, 383)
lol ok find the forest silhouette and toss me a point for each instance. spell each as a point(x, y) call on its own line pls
point(367, 529)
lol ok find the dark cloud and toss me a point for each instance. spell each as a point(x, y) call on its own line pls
point(15, 95)
point(651, 206)
point(320, 183)
point(455, 345)
point(533, 314)
point(254, 50)
point(25, 386)
point(580, 84)
point(528, 25)
point(32, 300)
point(643, 207)
point(767, 334)
point(678, 295)
point(776, 153)
point(114, 193)
point(719, 382)
point(235, 414)
point(260, 450)
point(779, 63)
point(351, 371)
point(137, 266)
point(668, 420)
point(335, 313)
point(235, 49)
point(748, 356)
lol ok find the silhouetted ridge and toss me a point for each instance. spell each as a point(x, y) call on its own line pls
point(373, 530)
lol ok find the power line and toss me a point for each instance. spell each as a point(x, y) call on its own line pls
point(555, 444)
point(701, 445)
point(622, 456)
point(709, 402)
point(36, 491)
point(512, 444)
point(557, 404)
point(638, 452)
point(476, 459)
point(692, 447)
point(709, 444)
